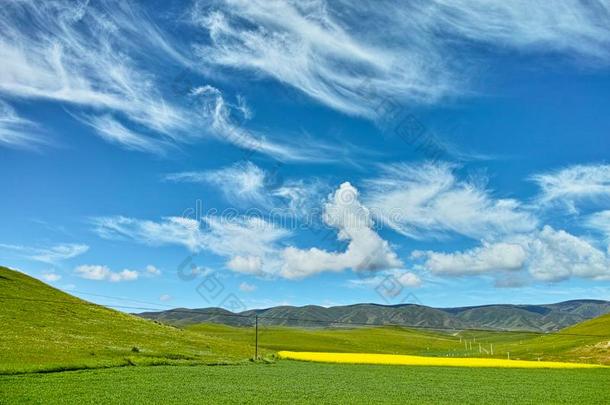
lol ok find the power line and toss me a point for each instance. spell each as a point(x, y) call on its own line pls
point(319, 321)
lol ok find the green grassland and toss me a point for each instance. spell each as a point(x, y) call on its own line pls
point(587, 342)
point(295, 382)
point(46, 329)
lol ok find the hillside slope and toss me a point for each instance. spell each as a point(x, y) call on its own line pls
point(542, 318)
point(45, 329)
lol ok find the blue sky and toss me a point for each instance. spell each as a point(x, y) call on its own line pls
point(307, 152)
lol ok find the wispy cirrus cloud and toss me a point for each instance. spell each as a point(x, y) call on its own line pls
point(427, 199)
point(110, 64)
point(246, 184)
point(18, 132)
point(335, 52)
point(572, 185)
point(51, 255)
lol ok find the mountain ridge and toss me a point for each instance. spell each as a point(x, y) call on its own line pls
point(528, 317)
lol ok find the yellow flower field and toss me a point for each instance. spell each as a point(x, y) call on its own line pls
point(404, 360)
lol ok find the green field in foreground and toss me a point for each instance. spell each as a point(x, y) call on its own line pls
point(295, 382)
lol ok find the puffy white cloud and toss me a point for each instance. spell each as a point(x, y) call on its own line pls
point(152, 270)
point(427, 199)
point(487, 258)
point(335, 51)
point(245, 287)
point(547, 255)
point(557, 255)
point(53, 254)
point(247, 265)
point(366, 250)
point(103, 273)
point(574, 184)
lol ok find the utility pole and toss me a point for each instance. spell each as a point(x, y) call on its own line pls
point(256, 337)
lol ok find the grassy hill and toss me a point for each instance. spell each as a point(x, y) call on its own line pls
point(46, 329)
point(587, 342)
point(541, 318)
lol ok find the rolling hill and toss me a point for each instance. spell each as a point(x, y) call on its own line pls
point(541, 318)
point(46, 329)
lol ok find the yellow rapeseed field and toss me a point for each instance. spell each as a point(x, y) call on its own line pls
point(396, 359)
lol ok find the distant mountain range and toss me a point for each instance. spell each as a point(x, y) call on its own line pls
point(542, 318)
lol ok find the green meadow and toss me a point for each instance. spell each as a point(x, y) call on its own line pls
point(55, 348)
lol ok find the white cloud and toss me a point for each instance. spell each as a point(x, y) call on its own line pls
point(245, 287)
point(51, 277)
point(18, 132)
point(487, 258)
point(221, 121)
point(558, 255)
point(171, 230)
point(115, 132)
point(600, 221)
point(99, 59)
point(574, 184)
point(246, 265)
point(246, 184)
point(152, 271)
point(546, 255)
point(165, 298)
point(234, 238)
point(103, 273)
point(53, 254)
point(83, 54)
point(335, 51)
point(241, 182)
point(366, 250)
point(422, 200)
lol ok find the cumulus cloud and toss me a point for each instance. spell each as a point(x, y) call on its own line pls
point(246, 287)
point(165, 298)
point(487, 258)
point(427, 199)
point(335, 51)
point(103, 273)
point(247, 265)
point(574, 184)
point(546, 255)
point(152, 271)
point(52, 254)
point(366, 250)
point(559, 255)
